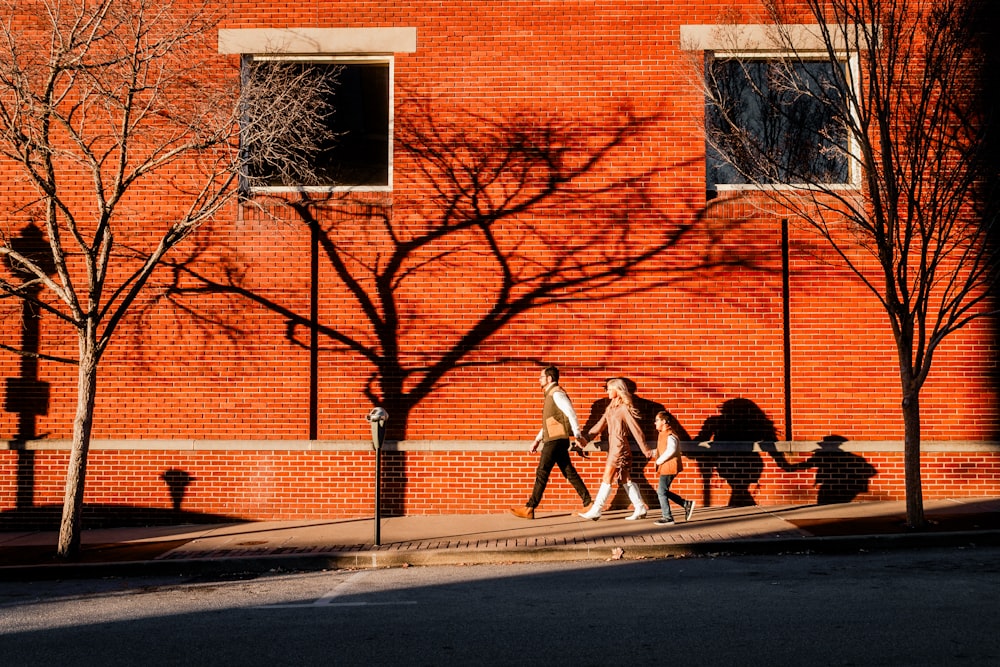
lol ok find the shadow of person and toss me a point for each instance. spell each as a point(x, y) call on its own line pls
point(739, 424)
point(840, 476)
point(177, 482)
point(647, 410)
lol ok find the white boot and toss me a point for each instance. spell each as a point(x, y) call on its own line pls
point(636, 498)
point(594, 513)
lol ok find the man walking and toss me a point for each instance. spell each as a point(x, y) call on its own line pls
point(558, 422)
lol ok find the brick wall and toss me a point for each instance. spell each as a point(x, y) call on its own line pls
point(336, 480)
point(237, 366)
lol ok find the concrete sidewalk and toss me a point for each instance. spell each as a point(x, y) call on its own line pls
point(494, 538)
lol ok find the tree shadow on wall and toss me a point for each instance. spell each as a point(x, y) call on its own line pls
point(726, 447)
point(491, 218)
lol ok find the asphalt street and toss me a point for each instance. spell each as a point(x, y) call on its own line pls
point(902, 607)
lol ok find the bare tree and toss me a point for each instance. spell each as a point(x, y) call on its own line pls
point(887, 99)
point(105, 107)
point(501, 214)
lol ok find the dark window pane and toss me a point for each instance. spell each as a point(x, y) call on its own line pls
point(349, 142)
point(357, 151)
point(765, 128)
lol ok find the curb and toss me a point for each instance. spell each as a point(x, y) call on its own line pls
point(355, 560)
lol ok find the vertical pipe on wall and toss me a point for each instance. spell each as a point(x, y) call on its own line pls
point(314, 334)
point(786, 324)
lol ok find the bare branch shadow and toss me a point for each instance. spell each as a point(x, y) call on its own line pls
point(500, 216)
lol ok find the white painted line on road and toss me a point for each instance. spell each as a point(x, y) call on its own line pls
point(341, 589)
point(314, 605)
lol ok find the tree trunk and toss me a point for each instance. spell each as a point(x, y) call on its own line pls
point(911, 461)
point(76, 473)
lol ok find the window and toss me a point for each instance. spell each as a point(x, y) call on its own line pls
point(776, 107)
point(348, 143)
point(343, 77)
point(775, 122)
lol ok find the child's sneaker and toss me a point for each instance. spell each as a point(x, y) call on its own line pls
point(688, 509)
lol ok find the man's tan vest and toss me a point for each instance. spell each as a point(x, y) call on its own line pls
point(555, 423)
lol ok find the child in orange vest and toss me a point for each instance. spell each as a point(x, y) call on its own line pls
point(669, 463)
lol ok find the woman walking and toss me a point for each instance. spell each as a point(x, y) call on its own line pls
point(619, 416)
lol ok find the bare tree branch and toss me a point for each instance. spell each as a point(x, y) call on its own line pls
point(901, 83)
point(103, 105)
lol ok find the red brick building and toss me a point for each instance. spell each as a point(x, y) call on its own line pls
point(531, 189)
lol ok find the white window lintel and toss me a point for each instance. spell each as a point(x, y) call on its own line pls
point(317, 40)
point(770, 37)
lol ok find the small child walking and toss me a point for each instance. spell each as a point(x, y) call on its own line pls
point(669, 463)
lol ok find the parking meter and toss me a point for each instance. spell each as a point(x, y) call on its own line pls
point(377, 418)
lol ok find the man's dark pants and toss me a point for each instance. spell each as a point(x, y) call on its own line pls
point(556, 452)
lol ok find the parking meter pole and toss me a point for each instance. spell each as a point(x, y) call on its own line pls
point(378, 497)
point(377, 418)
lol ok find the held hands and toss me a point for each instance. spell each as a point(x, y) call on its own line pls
point(534, 446)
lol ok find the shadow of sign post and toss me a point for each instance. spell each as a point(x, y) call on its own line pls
point(26, 395)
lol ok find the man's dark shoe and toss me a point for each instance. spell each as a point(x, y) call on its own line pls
point(523, 512)
point(664, 522)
